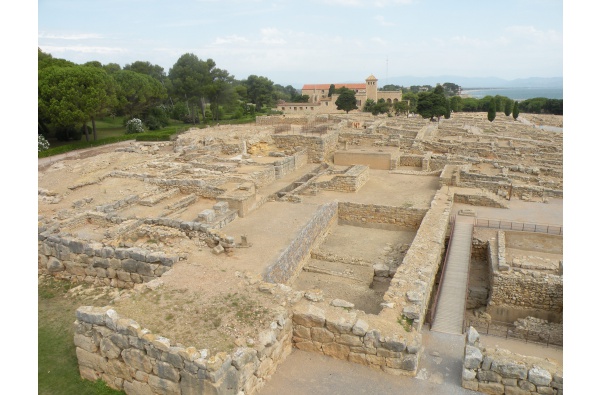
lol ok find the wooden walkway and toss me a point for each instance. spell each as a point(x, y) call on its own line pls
point(451, 301)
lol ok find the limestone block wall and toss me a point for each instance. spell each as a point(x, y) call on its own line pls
point(131, 358)
point(350, 181)
point(351, 335)
point(478, 199)
point(523, 289)
point(68, 258)
point(409, 291)
point(499, 371)
point(320, 148)
point(358, 213)
point(410, 160)
point(264, 176)
point(289, 262)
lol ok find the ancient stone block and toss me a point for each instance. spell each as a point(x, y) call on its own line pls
point(539, 376)
point(309, 316)
point(54, 265)
point(488, 375)
point(515, 391)
point(509, 369)
point(163, 386)
point(473, 357)
point(321, 335)
point(137, 359)
point(90, 360)
point(491, 388)
point(335, 350)
point(85, 342)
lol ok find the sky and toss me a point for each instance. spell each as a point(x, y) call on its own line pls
point(314, 41)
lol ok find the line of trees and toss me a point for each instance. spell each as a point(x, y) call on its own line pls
point(72, 97)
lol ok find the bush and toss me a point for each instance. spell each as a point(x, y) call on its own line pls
point(43, 144)
point(156, 118)
point(68, 133)
point(134, 125)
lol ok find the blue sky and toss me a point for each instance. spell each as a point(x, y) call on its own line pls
point(301, 41)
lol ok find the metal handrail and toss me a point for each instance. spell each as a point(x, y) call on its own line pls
point(437, 294)
point(518, 226)
point(506, 333)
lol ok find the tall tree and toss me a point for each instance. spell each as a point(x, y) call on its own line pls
point(137, 92)
point(260, 91)
point(331, 90)
point(346, 101)
point(456, 103)
point(190, 77)
point(75, 95)
point(432, 104)
point(491, 115)
point(147, 68)
point(508, 106)
point(515, 111)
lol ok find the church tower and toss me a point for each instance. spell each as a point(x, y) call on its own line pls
point(371, 87)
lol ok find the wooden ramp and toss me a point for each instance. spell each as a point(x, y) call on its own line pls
point(451, 300)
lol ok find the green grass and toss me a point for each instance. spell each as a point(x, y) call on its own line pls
point(111, 130)
point(58, 371)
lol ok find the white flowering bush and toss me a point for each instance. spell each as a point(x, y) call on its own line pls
point(134, 125)
point(43, 144)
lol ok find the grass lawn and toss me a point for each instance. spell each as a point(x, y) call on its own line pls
point(111, 130)
point(58, 371)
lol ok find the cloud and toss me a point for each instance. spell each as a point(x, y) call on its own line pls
point(233, 39)
point(271, 36)
point(82, 49)
point(381, 20)
point(366, 3)
point(81, 36)
point(530, 33)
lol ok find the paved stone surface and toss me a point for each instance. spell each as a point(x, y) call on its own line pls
point(439, 373)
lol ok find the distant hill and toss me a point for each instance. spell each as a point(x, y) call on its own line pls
point(477, 82)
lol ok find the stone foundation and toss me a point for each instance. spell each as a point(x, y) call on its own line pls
point(503, 372)
point(130, 358)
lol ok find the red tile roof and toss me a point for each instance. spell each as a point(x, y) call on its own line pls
point(325, 87)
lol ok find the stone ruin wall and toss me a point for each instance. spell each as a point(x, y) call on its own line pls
point(289, 263)
point(71, 259)
point(382, 341)
point(319, 148)
point(350, 181)
point(351, 335)
point(522, 288)
point(131, 358)
point(498, 371)
point(358, 213)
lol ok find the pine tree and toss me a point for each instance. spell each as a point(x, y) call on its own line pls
point(492, 111)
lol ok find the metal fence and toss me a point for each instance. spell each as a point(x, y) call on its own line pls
point(518, 226)
point(510, 331)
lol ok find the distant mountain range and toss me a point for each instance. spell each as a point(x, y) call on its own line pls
point(475, 82)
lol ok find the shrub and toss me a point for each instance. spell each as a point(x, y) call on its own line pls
point(43, 144)
point(68, 133)
point(134, 125)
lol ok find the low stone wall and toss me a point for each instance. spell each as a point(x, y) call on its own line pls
point(320, 148)
point(289, 263)
point(409, 291)
point(523, 289)
point(357, 213)
point(410, 160)
point(72, 259)
point(479, 199)
point(351, 335)
point(498, 371)
point(130, 358)
point(350, 181)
